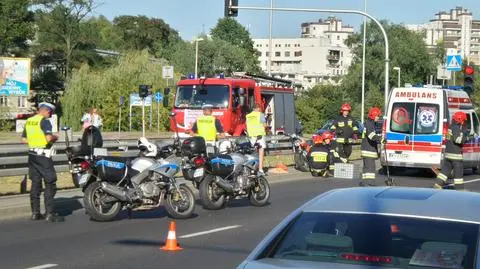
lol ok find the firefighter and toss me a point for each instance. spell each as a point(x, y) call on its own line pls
point(370, 141)
point(453, 159)
point(38, 135)
point(334, 156)
point(256, 124)
point(318, 155)
point(207, 126)
point(344, 129)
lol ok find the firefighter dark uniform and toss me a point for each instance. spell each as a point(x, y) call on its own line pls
point(318, 157)
point(344, 128)
point(453, 158)
point(370, 141)
point(40, 163)
point(334, 156)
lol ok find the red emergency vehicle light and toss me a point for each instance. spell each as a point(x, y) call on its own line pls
point(469, 70)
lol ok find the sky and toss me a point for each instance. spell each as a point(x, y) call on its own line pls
point(193, 17)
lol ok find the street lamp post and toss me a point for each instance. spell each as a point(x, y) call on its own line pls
point(196, 55)
point(363, 61)
point(270, 40)
point(399, 72)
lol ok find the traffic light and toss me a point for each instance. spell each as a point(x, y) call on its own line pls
point(231, 12)
point(468, 74)
point(144, 91)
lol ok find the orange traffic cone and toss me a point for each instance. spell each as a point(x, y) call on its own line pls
point(171, 243)
point(282, 167)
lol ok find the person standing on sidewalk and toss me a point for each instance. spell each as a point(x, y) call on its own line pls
point(256, 124)
point(453, 159)
point(370, 141)
point(38, 135)
point(344, 129)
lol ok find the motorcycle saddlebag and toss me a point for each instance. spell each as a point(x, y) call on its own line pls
point(222, 165)
point(111, 169)
point(193, 146)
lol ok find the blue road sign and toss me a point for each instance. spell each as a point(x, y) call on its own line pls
point(158, 96)
point(454, 62)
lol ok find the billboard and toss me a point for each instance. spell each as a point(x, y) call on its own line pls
point(14, 76)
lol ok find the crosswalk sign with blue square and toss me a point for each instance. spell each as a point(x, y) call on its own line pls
point(454, 62)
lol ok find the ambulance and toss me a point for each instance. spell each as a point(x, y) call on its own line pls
point(416, 127)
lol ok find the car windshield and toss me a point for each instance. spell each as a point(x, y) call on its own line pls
point(368, 239)
point(193, 96)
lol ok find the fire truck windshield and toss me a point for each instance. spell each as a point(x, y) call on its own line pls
point(193, 96)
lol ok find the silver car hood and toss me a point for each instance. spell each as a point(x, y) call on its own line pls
point(279, 263)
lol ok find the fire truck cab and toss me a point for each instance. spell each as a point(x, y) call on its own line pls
point(416, 127)
point(232, 98)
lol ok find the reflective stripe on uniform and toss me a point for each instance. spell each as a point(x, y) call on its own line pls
point(459, 139)
point(369, 154)
point(368, 175)
point(341, 124)
point(331, 167)
point(458, 181)
point(344, 160)
point(453, 156)
point(341, 140)
point(442, 177)
point(350, 123)
point(371, 135)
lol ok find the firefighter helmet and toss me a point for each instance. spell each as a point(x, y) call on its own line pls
point(459, 117)
point(374, 112)
point(317, 139)
point(346, 107)
point(327, 135)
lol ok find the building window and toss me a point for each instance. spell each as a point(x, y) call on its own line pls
point(287, 53)
point(338, 37)
point(3, 101)
point(267, 54)
point(298, 53)
point(277, 53)
point(259, 54)
point(22, 101)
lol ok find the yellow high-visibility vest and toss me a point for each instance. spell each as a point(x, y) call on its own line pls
point(206, 128)
point(254, 126)
point(35, 135)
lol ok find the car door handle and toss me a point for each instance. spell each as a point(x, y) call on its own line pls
point(407, 139)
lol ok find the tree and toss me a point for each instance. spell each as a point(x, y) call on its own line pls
point(60, 26)
point(16, 27)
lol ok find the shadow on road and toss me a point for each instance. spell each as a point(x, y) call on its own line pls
point(156, 243)
point(67, 206)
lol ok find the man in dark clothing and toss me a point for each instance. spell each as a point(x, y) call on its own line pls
point(453, 159)
point(369, 148)
point(318, 156)
point(344, 128)
point(38, 135)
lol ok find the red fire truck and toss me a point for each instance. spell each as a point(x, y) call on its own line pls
point(234, 97)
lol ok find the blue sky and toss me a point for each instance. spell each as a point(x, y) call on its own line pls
point(191, 17)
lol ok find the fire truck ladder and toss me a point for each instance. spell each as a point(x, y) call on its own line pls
point(268, 81)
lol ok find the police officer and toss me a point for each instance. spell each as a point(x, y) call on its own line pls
point(38, 135)
point(256, 124)
point(370, 141)
point(453, 159)
point(207, 126)
point(318, 155)
point(344, 128)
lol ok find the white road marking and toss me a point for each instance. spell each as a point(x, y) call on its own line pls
point(472, 180)
point(211, 231)
point(43, 266)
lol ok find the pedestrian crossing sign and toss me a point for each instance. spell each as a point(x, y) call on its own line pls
point(454, 62)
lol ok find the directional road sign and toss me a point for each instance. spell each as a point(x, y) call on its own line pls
point(167, 71)
point(454, 62)
point(158, 97)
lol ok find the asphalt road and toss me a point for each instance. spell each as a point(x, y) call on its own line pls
point(134, 243)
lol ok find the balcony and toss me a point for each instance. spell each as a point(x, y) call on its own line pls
point(333, 57)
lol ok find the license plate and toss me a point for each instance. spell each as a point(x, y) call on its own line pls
point(84, 179)
point(199, 172)
point(398, 155)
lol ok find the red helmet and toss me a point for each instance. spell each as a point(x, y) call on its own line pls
point(346, 107)
point(327, 135)
point(374, 112)
point(317, 139)
point(459, 117)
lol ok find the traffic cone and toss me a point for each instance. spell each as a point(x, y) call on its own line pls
point(171, 243)
point(282, 168)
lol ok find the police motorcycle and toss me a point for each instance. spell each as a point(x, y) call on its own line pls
point(232, 173)
point(116, 183)
point(300, 151)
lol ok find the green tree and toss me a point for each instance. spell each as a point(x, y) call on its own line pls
point(16, 27)
point(60, 26)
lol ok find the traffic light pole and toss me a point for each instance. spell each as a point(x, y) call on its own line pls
point(345, 11)
point(143, 116)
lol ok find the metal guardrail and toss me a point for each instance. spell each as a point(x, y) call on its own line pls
point(14, 157)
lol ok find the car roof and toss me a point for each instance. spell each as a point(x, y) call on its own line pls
point(400, 201)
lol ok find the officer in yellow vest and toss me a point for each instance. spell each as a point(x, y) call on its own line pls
point(256, 124)
point(38, 135)
point(207, 126)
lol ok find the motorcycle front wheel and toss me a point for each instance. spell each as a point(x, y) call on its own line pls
point(180, 206)
point(209, 194)
point(97, 205)
point(260, 192)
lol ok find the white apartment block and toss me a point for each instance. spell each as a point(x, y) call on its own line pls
point(319, 56)
point(457, 29)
